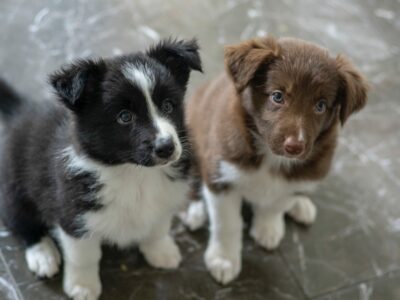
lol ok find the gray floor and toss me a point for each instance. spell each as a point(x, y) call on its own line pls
point(353, 250)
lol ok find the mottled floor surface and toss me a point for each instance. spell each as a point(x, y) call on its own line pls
point(353, 250)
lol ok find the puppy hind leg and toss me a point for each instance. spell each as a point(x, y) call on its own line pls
point(303, 210)
point(160, 249)
point(195, 215)
point(22, 218)
point(43, 258)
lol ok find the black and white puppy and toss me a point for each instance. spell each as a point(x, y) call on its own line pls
point(105, 163)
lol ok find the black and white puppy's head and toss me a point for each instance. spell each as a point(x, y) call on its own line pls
point(129, 109)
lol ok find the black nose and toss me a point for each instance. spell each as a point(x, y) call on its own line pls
point(164, 147)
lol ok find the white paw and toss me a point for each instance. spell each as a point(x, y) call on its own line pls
point(303, 210)
point(224, 267)
point(163, 254)
point(82, 283)
point(43, 258)
point(269, 232)
point(78, 292)
point(195, 216)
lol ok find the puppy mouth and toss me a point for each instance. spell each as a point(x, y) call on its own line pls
point(293, 157)
point(302, 157)
point(154, 158)
point(167, 161)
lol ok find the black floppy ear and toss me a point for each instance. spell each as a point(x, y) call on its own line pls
point(352, 94)
point(71, 81)
point(179, 56)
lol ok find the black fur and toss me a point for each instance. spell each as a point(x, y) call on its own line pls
point(37, 189)
point(179, 56)
point(10, 101)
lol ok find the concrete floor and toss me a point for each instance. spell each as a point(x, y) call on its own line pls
point(353, 250)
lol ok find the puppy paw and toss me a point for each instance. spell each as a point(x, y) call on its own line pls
point(195, 216)
point(163, 254)
point(223, 266)
point(303, 210)
point(82, 284)
point(43, 258)
point(78, 292)
point(269, 232)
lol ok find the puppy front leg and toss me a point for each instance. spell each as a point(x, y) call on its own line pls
point(81, 267)
point(159, 248)
point(223, 254)
point(268, 227)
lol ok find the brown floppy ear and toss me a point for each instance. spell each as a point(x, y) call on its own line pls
point(243, 60)
point(352, 94)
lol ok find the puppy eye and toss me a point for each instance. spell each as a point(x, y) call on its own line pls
point(277, 97)
point(125, 117)
point(167, 107)
point(320, 107)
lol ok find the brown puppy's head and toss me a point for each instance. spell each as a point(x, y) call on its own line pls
point(294, 91)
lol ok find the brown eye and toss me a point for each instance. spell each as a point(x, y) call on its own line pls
point(320, 107)
point(125, 117)
point(277, 97)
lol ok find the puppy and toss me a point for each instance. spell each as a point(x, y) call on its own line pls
point(106, 162)
point(265, 131)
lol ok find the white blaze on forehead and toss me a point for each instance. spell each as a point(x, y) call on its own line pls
point(143, 77)
point(301, 135)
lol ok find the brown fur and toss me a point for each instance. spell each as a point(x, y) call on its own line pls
point(233, 118)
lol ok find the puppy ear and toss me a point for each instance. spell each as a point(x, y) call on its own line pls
point(179, 56)
point(71, 81)
point(243, 60)
point(352, 94)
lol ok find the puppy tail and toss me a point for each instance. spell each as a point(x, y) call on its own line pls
point(9, 100)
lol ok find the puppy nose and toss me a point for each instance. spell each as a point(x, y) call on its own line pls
point(164, 147)
point(293, 147)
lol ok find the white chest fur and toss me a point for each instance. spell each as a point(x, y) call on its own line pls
point(262, 186)
point(135, 200)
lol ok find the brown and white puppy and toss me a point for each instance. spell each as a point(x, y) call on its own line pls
point(265, 131)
